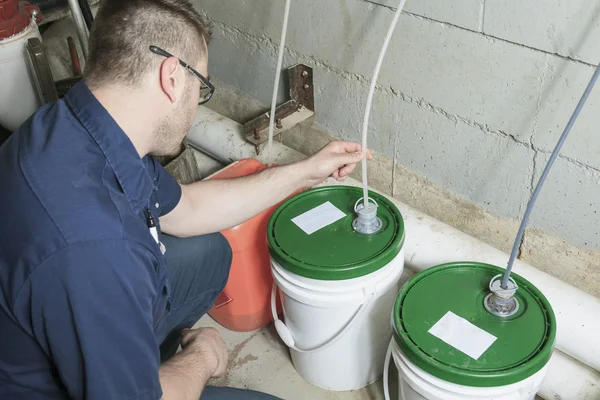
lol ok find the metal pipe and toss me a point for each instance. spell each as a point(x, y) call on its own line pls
point(75, 64)
point(82, 30)
point(86, 12)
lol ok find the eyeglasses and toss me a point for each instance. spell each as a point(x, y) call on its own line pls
point(206, 88)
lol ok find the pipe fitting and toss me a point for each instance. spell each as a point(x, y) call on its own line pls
point(502, 302)
point(367, 221)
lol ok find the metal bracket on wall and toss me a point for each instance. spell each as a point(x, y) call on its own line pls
point(42, 75)
point(47, 90)
point(292, 112)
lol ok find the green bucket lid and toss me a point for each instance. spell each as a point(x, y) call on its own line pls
point(524, 341)
point(336, 251)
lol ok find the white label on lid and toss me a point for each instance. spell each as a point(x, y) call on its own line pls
point(462, 335)
point(318, 218)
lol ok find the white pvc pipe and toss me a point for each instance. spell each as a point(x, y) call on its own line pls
point(224, 140)
point(386, 371)
point(430, 242)
point(286, 17)
point(18, 99)
point(568, 379)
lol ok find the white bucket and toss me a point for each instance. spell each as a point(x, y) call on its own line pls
point(416, 384)
point(338, 331)
point(448, 346)
point(18, 99)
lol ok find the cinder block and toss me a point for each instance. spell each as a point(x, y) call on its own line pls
point(443, 93)
point(569, 204)
point(490, 82)
point(339, 101)
point(441, 203)
point(564, 85)
point(244, 63)
point(569, 28)
point(464, 13)
point(464, 73)
point(340, 105)
point(234, 104)
point(557, 257)
point(489, 170)
point(258, 18)
point(308, 139)
point(474, 164)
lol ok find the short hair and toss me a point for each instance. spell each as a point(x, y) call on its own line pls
point(124, 30)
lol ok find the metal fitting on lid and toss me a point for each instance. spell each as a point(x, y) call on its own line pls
point(367, 221)
point(502, 302)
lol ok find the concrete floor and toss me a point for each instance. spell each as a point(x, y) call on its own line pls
point(260, 361)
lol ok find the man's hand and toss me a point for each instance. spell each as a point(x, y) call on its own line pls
point(338, 159)
point(208, 346)
point(204, 356)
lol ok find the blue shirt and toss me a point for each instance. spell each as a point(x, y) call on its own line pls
point(83, 286)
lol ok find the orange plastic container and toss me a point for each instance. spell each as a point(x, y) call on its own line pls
point(245, 303)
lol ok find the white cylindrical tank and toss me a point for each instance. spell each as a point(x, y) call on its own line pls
point(18, 99)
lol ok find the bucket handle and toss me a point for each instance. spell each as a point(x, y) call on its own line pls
point(386, 371)
point(286, 335)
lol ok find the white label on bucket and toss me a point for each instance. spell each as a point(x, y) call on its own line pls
point(318, 218)
point(462, 335)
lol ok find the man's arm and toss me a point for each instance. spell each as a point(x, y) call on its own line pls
point(215, 205)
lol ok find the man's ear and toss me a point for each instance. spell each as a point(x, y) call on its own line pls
point(168, 77)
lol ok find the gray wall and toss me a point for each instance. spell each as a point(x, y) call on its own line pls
point(471, 98)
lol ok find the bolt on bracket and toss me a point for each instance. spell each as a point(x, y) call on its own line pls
point(300, 107)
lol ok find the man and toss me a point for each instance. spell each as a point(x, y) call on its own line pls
point(105, 261)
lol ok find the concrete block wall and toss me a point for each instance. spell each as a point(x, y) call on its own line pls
point(471, 99)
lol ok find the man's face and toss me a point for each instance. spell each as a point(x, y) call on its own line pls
point(171, 132)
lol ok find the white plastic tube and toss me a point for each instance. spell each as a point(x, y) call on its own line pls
point(365, 129)
point(386, 371)
point(286, 16)
point(538, 188)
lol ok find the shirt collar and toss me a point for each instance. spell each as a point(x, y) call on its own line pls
point(119, 151)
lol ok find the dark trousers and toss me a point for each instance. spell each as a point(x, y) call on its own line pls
point(198, 269)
